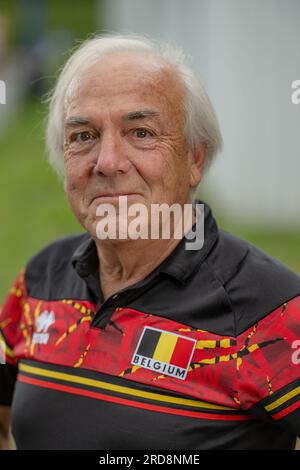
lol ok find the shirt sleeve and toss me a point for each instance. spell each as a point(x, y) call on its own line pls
point(268, 367)
point(10, 315)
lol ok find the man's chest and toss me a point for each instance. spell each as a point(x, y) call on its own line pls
point(143, 381)
point(138, 346)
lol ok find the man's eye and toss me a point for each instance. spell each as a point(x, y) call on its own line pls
point(82, 137)
point(142, 133)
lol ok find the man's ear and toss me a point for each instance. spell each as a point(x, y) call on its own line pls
point(197, 157)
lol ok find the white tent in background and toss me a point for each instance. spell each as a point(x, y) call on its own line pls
point(247, 54)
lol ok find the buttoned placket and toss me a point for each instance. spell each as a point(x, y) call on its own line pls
point(121, 299)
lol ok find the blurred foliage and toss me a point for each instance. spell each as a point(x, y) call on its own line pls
point(9, 8)
point(79, 17)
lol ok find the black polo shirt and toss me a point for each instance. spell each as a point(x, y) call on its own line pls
point(201, 354)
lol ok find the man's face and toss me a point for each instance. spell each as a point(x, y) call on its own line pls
point(124, 136)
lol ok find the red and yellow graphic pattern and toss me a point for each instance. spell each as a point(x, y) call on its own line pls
point(231, 372)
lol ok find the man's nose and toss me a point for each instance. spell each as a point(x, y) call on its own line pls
point(111, 155)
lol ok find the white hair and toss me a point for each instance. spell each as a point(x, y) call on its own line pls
point(201, 125)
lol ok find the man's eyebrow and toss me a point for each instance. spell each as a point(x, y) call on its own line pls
point(131, 116)
point(140, 114)
point(77, 121)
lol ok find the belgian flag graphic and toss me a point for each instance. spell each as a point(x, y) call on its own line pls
point(164, 352)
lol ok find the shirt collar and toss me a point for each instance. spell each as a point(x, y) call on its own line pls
point(180, 264)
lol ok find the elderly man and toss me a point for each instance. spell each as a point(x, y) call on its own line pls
point(138, 342)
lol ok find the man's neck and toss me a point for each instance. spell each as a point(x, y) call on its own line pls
point(125, 262)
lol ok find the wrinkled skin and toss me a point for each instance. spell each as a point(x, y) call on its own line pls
point(112, 153)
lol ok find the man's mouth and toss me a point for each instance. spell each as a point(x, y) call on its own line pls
point(113, 195)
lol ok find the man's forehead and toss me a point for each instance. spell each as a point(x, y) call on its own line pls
point(125, 93)
point(122, 61)
point(119, 72)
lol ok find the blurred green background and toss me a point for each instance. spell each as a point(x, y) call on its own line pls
point(32, 201)
point(33, 206)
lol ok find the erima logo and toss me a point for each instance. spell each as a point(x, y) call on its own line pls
point(164, 352)
point(43, 321)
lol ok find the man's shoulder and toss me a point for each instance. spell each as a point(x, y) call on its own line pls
point(255, 282)
point(58, 252)
point(234, 253)
point(50, 270)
